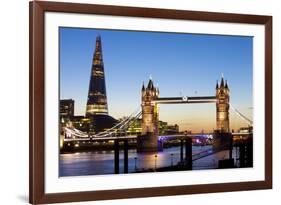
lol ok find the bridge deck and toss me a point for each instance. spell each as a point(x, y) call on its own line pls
point(179, 136)
point(186, 99)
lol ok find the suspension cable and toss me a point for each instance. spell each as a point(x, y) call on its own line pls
point(250, 122)
point(132, 117)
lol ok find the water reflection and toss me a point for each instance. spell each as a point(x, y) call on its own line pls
point(102, 162)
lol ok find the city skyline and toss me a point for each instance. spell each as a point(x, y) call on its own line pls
point(181, 64)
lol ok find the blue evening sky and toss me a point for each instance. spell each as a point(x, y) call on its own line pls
point(180, 64)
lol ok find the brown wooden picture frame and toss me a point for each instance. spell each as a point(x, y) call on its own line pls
point(37, 95)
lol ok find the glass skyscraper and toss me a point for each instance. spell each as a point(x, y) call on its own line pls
point(97, 101)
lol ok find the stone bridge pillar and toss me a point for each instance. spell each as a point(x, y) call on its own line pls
point(148, 140)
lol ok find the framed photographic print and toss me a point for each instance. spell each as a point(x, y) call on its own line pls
point(139, 102)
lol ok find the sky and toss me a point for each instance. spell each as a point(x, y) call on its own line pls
point(180, 64)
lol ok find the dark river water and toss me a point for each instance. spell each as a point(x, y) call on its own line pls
point(102, 162)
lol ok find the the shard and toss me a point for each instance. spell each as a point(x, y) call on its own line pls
point(97, 101)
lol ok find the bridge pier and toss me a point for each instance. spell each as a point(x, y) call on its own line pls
point(181, 150)
point(246, 153)
point(223, 141)
point(148, 143)
point(68, 146)
point(126, 147)
point(188, 153)
point(249, 152)
point(230, 147)
point(116, 156)
point(242, 155)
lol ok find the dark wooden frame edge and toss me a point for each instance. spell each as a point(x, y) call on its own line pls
point(37, 194)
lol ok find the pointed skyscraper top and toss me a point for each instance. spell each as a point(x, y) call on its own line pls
point(98, 45)
point(98, 37)
point(98, 41)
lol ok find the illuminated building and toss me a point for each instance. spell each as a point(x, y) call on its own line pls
point(222, 136)
point(222, 105)
point(66, 108)
point(82, 123)
point(148, 141)
point(164, 129)
point(171, 129)
point(96, 109)
point(135, 128)
point(97, 101)
point(149, 109)
point(248, 129)
point(243, 131)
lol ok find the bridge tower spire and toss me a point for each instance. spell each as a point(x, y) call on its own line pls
point(148, 141)
point(222, 106)
point(97, 100)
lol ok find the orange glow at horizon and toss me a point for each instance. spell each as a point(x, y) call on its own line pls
point(198, 117)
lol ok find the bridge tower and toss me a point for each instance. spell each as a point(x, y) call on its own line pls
point(222, 135)
point(148, 141)
point(222, 105)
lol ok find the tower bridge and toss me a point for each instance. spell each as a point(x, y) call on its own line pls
point(148, 141)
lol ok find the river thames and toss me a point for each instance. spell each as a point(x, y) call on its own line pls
point(102, 162)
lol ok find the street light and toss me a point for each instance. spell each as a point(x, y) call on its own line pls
point(155, 156)
point(135, 163)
